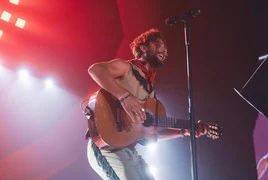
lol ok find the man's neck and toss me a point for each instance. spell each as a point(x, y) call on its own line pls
point(146, 65)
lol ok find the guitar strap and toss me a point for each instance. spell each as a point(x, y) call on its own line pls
point(145, 81)
point(91, 130)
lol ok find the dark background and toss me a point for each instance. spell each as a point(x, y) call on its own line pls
point(41, 134)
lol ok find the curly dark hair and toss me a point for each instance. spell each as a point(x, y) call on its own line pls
point(144, 39)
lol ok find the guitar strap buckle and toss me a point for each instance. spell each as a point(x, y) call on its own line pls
point(91, 130)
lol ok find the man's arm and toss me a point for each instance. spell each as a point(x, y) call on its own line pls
point(105, 75)
point(166, 133)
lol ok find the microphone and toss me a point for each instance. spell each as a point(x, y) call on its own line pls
point(182, 18)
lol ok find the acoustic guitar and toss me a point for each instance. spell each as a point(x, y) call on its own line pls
point(109, 116)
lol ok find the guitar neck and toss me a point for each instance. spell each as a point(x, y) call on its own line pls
point(169, 122)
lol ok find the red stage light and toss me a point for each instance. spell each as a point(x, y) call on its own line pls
point(1, 33)
point(16, 2)
point(20, 23)
point(5, 16)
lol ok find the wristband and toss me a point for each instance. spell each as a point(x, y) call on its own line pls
point(123, 97)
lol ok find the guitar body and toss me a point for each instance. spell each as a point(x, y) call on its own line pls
point(109, 115)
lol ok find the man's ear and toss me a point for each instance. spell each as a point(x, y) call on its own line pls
point(143, 48)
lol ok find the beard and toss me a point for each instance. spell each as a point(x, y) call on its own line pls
point(153, 60)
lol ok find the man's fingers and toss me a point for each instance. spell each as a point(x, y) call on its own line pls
point(133, 118)
point(138, 117)
point(138, 114)
point(141, 115)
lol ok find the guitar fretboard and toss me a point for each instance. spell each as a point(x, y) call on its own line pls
point(170, 122)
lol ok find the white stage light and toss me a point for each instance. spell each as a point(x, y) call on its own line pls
point(153, 170)
point(16, 2)
point(151, 148)
point(6, 16)
point(20, 23)
point(24, 74)
point(49, 83)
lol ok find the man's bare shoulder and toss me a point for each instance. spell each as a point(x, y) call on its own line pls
point(120, 67)
point(121, 62)
point(117, 67)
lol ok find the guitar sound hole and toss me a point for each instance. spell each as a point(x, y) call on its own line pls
point(149, 120)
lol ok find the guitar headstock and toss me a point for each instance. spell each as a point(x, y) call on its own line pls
point(214, 131)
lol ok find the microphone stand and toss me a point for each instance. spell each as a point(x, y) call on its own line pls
point(187, 39)
point(185, 19)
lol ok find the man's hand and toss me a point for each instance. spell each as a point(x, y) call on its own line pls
point(201, 129)
point(133, 107)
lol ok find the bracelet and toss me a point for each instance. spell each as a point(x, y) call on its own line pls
point(123, 97)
